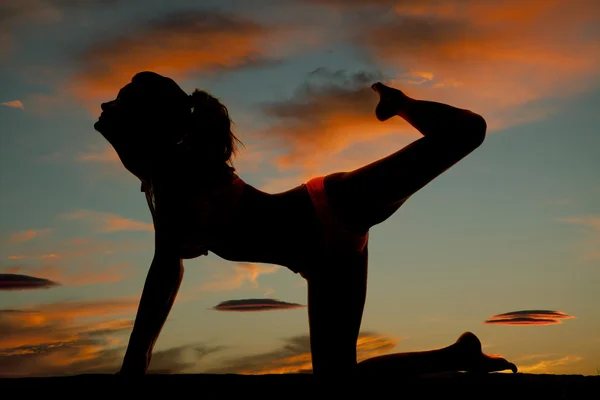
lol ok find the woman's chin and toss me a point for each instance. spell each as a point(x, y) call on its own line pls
point(101, 126)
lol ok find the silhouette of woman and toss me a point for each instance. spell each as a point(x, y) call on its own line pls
point(180, 146)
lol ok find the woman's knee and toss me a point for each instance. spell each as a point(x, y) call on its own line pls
point(475, 130)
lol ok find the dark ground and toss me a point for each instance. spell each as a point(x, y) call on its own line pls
point(201, 386)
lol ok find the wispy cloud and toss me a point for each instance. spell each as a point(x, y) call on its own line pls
point(24, 282)
point(78, 337)
point(590, 222)
point(295, 357)
point(14, 104)
point(590, 247)
point(105, 155)
point(553, 365)
point(105, 222)
point(529, 317)
point(60, 338)
point(246, 305)
point(25, 236)
point(181, 359)
point(238, 276)
point(80, 248)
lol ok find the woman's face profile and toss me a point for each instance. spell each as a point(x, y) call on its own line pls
point(114, 113)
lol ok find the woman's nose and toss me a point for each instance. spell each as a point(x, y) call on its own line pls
point(107, 106)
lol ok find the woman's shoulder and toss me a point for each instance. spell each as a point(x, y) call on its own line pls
point(190, 178)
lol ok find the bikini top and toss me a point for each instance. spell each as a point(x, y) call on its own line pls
point(211, 215)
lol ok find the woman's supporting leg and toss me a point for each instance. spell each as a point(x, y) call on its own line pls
point(336, 299)
point(371, 194)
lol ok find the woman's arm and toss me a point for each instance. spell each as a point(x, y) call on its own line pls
point(158, 296)
point(160, 288)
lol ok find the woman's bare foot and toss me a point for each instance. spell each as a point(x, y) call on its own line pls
point(390, 101)
point(472, 359)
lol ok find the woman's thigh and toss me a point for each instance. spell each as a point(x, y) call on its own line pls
point(371, 194)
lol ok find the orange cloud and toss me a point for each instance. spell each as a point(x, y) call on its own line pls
point(327, 115)
point(238, 276)
point(25, 236)
point(177, 45)
point(105, 222)
point(14, 104)
point(354, 156)
point(529, 317)
point(59, 338)
point(248, 305)
point(591, 222)
point(556, 365)
point(501, 59)
point(106, 155)
point(505, 54)
point(69, 338)
point(294, 356)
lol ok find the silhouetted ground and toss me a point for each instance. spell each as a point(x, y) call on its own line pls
point(203, 386)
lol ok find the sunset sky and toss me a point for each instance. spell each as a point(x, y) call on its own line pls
point(505, 244)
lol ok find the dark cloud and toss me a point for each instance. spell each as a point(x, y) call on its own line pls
point(13, 12)
point(418, 34)
point(253, 61)
point(294, 356)
point(24, 282)
point(355, 3)
point(529, 317)
point(327, 92)
point(245, 305)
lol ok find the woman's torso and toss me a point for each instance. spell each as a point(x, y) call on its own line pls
point(240, 223)
point(272, 228)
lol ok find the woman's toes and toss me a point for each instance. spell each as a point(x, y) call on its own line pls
point(377, 86)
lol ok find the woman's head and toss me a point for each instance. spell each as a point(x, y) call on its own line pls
point(154, 113)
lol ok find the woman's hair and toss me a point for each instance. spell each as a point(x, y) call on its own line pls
point(210, 130)
point(199, 123)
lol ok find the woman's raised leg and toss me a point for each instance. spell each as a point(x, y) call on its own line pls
point(371, 194)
